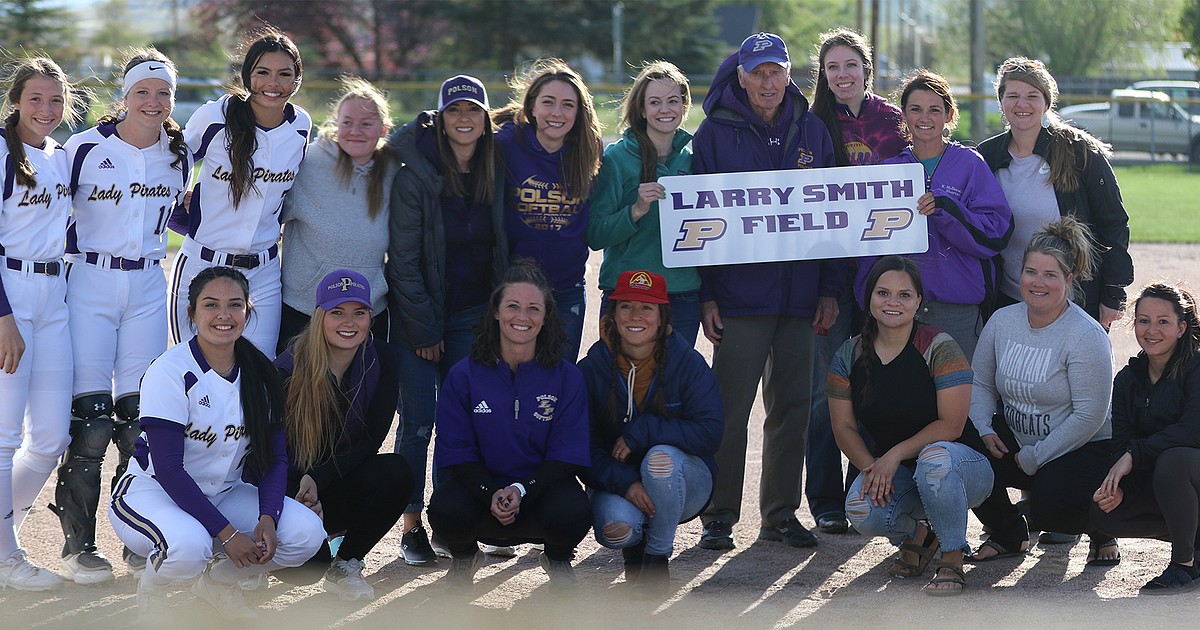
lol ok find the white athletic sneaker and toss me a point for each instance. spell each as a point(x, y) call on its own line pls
point(152, 607)
point(500, 552)
point(21, 574)
point(256, 583)
point(344, 577)
point(88, 567)
point(227, 599)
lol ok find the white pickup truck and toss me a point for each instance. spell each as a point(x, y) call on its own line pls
point(1140, 120)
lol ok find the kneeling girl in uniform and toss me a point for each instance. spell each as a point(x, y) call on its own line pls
point(209, 405)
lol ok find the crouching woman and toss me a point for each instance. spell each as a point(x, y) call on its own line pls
point(909, 385)
point(656, 425)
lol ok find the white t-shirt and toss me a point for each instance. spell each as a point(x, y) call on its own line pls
point(1026, 185)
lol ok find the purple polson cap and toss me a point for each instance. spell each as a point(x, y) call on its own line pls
point(462, 88)
point(761, 48)
point(343, 286)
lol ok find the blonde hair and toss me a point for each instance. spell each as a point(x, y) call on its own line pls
point(312, 398)
point(358, 88)
point(1071, 244)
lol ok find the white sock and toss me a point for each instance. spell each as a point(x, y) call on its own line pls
point(27, 482)
point(8, 531)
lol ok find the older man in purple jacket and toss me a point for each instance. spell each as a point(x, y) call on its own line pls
point(761, 317)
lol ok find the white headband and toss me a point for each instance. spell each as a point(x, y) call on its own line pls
point(149, 70)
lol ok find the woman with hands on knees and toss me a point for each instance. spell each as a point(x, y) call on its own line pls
point(656, 423)
point(909, 386)
point(1049, 365)
point(341, 386)
point(210, 406)
point(1153, 488)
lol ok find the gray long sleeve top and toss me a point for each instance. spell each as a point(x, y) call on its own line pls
point(1055, 382)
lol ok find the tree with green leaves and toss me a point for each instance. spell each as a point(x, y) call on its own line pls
point(36, 25)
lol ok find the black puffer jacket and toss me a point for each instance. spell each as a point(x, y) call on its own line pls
point(416, 265)
point(1096, 203)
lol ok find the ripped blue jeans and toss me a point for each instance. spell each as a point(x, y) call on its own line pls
point(950, 479)
point(679, 485)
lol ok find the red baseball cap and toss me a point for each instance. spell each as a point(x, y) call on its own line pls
point(641, 286)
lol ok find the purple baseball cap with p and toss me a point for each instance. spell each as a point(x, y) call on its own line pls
point(462, 88)
point(761, 48)
point(343, 286)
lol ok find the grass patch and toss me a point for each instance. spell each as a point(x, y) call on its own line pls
point(1161, 202)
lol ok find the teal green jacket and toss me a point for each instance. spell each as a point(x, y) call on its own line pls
point(628, 245)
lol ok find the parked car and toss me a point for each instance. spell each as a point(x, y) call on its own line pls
point(1185, 93)
point(1140, 120)
point(190, 94)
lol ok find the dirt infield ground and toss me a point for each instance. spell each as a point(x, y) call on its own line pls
point(757, 585)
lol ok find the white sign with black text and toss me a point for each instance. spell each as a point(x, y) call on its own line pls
point(803, 214)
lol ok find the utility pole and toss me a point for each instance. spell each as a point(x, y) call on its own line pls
point(618, 38)
point(978, 50)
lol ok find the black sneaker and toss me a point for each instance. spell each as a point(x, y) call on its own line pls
point(718, 535)
point(461, 576)
point(414, 544)
point(789, 532)
point(561, 574)
point(833, 523)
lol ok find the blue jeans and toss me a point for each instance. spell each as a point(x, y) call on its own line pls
point(420, 382)
point(685, 313)
point(678, 484)
point(572, 302)
point(951, 478)
point(825, 487)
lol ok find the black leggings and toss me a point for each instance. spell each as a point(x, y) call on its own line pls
point(1060, 491)
point(1164, 504)
point(559, 517)
point(365, 504)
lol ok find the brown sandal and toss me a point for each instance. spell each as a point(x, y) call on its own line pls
point(957, 577)
point(925, 551)
point(1001, 552)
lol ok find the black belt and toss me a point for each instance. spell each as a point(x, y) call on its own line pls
point(52, 268)
point(242, 261)
point(124, 264)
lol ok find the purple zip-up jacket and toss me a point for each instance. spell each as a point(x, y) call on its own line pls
point(970, 227)
point(733, 139)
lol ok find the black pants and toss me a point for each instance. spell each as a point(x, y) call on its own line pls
point(559, 517)
point(1163, 504)
point(1060, 491)
point(365, 504)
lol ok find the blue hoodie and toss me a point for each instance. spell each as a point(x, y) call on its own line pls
point(693, 420)
point(544, 221)
point(733, 139)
